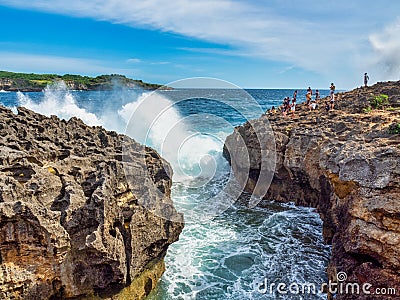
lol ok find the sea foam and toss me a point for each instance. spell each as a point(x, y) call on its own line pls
point(154, 120)
point(57, 100)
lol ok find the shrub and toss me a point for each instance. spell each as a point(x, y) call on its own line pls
point(367, 110)
point(379, 101)
point(394, 128)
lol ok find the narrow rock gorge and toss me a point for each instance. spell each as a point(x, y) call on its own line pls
point(84, 213)
point(346, 164)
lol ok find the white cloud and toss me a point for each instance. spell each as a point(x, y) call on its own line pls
point(133, 60)
point(321, 37)
point(251, 29)
point(138, 60)
point(160, 63)
point(287, 69)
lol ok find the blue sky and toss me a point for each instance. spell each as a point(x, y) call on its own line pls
point(253, 44)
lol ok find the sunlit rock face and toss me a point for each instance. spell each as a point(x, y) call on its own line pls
point(346, 164)
point(73, 219)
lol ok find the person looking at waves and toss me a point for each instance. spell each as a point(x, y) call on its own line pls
point(332, 100)
point(317, 96)
point(293, 107)
point(308, 97)
point(366, 78)
point(285, 106)
point(332, 88)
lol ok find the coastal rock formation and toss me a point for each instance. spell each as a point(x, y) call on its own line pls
point(83, 212)
point(346, 164)
point(75, 86)
point(6, 84)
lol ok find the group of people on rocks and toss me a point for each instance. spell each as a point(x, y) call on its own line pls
point(288, 106)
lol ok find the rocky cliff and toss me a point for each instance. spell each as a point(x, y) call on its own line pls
point(346, 164)
point(84, 213)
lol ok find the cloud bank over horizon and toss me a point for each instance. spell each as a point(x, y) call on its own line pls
point(336, 39)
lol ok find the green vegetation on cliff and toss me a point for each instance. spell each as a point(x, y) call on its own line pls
point(394, 128)
point(379, 101)
point(11, 81)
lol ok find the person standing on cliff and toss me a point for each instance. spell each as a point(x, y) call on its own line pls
point(317, 96)
point(332, 88)
point(366, 78)
point(293, 107)
point(285, 106)
point(308, 96)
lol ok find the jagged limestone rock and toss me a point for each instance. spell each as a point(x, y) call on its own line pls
point(75, 218)
point(345, 163)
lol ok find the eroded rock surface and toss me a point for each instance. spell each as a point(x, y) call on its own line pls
point(83, 212)
point(345, 163)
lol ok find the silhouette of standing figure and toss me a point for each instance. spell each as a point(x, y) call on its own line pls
point(366, 78)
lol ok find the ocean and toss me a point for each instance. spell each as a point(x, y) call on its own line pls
point(226, 250)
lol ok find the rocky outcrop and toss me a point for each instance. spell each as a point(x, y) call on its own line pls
point(6, 84)
point(345, 163)
point(83, 212)
point(72, 85)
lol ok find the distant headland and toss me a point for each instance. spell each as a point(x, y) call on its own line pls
point(30, 82)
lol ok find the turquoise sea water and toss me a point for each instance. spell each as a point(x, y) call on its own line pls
point(231, 255)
